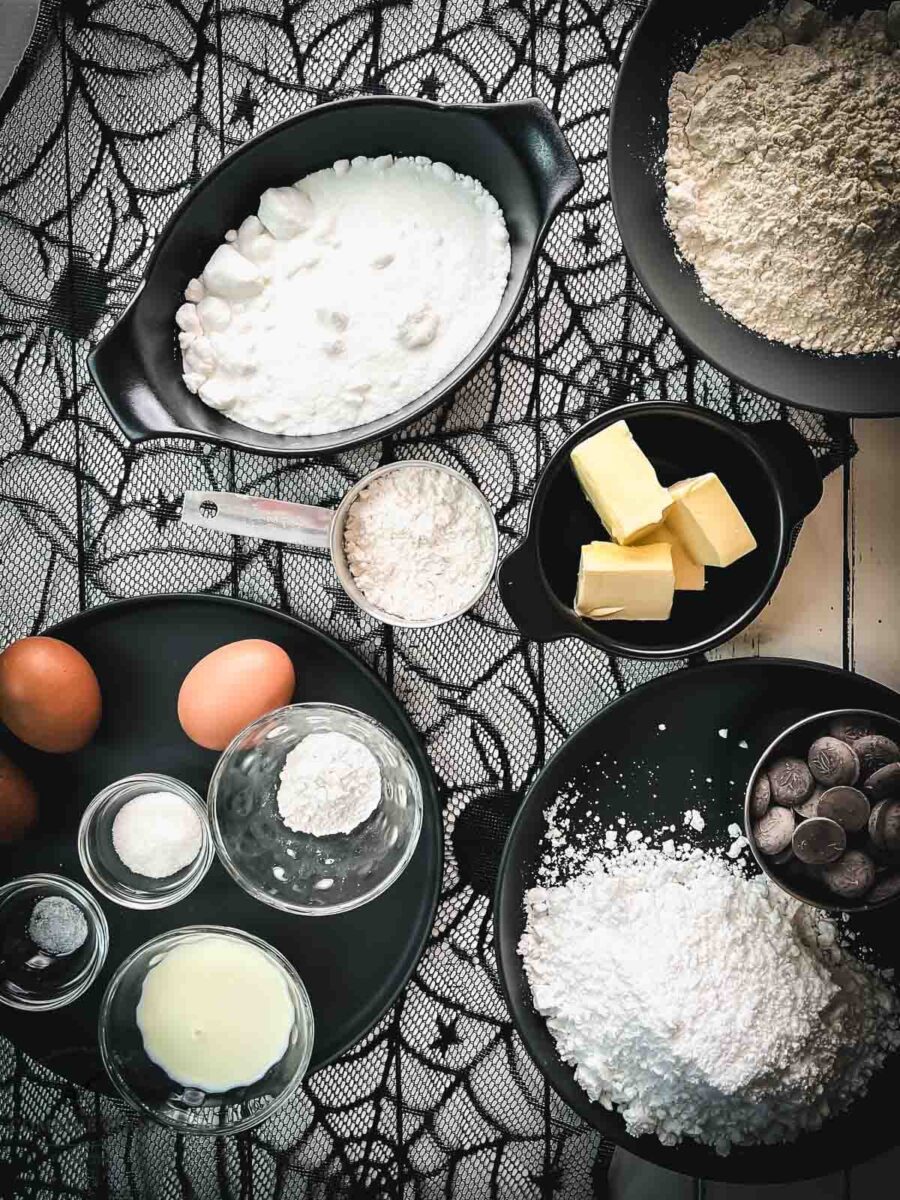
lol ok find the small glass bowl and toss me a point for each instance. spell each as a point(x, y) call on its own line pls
point(146, 1086)
point(105, 869)
point(296, 872)
point(31, 979)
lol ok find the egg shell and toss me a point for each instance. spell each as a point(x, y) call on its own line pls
point(231, 687)
point(49, 695)
point(18, 801)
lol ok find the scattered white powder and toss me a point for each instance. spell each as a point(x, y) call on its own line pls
point(157, 834)
point(347, 296)
point(330, 783)
point(700, 1003)
point(419, 543)
point(783, 177)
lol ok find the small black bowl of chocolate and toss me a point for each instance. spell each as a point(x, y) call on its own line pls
point(822, 810)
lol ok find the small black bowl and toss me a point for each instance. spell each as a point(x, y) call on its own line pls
point(767, 468)
point(516, 150)
point(667, 40)
point(795, 741)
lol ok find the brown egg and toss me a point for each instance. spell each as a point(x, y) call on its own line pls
point(231, 687)
point(49, 694)
point(18, 801)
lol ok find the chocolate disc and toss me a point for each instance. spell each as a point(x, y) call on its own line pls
point(810, 806)
point(846, 805)
point(884, 825)
point(887, 887)
point(819, 840)
point(875, 752)
point(761, 796)
point(833, 762)
point(850, 728)
point(791, 781)
point(851, 876)
point(884, 782)
point(773, 830)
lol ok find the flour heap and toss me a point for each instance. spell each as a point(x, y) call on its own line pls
point(783, 177)
point(419, 543)
point(701, 1003)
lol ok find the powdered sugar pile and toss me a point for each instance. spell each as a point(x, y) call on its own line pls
point(345, 296)
point(701, 1003)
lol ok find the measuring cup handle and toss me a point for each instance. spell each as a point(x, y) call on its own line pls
point(258, 517)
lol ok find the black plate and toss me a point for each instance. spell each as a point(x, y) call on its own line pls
point(752, 699)
point(516, 150)
point(667, 40)
point(767, 468)
point(355, 964)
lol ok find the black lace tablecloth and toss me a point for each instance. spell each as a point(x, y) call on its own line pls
point(119, 107)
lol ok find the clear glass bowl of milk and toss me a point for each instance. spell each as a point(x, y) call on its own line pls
point(206, 1029)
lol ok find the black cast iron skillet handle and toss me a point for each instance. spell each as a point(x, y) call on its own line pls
point(528, 600)
point(794, 465)
point(116, 369)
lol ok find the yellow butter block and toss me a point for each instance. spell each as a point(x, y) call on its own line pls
point(707, 522)
point(625, 583)
point(689, 575)
point(620, 482)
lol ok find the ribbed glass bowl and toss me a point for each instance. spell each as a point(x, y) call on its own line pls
point(296, 872)
point(146, 1086)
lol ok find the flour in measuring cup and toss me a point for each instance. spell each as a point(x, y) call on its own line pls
point(346, 296)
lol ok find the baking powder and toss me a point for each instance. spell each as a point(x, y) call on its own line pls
point(349, 295)
point(330, 783)
point(419, 543)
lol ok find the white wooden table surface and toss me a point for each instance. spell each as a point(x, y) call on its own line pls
point(837, 603)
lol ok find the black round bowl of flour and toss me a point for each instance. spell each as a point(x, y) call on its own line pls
point(768, 471)
point(667, 40)
point(517, 151)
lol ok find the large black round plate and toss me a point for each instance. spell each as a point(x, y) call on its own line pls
point(354, 964)
point(664, 740)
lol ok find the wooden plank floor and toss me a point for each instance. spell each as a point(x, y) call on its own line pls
point(837, 603)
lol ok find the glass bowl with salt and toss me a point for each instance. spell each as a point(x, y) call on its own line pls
point(144, 841)
point(315, 809)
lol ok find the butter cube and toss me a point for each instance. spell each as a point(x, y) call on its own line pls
point(689, 575)
point(619, 481)
point(625, 583)
point(707, 522)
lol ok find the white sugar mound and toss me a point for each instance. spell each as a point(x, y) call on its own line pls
point(701, 1003)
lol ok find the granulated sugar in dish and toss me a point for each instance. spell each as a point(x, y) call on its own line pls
point(697, 1002)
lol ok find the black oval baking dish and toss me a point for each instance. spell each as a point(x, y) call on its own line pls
point(770, 474)
point(667, 40)
point(516, 150)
